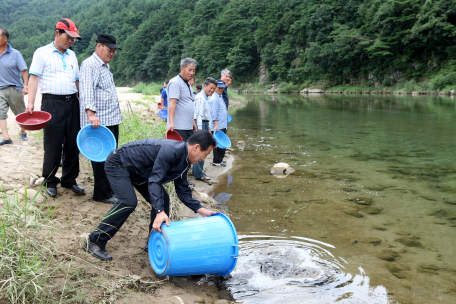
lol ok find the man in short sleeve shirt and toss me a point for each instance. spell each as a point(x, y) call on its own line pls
point(99, 105)
point(55, 70)
point(181, 101)
point(12, 91)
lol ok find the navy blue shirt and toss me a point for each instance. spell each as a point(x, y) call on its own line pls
point(157, 162)
point(225, 97)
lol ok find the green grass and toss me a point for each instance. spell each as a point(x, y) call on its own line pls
point(27, 248)
point(349, 88)
point(286, 87)
point(147, 89)
point(136, 127)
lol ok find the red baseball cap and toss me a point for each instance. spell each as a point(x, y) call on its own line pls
point(69, 27)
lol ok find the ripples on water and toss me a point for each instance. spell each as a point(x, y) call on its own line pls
point(375, 177)
point(298, 270)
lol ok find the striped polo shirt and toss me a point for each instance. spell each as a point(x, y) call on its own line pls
point(58, 72)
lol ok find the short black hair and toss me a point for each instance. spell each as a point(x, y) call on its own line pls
point(203, 138)
point(4, 33)
point(210, 80)
point(60, 31)
point(199, 87)
point(167, 81)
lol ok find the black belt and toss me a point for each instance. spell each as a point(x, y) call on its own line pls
point(59, 97)
point(205, 120)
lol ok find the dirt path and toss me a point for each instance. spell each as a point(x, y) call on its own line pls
point(129, 278)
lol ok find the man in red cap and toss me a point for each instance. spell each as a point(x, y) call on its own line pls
point(55, 70)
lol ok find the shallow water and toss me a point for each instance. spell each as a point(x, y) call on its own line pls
point(374, 188)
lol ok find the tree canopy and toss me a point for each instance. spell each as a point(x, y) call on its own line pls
point(297, 40)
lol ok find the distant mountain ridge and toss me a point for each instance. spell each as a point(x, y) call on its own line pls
point(298, 41)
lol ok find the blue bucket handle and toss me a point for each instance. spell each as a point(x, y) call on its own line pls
point(236, 251)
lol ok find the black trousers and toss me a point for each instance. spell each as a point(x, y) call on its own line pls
point(185, 134)
point(123, 187)
point(62, 128)
point(219, 154)
point(102, 188)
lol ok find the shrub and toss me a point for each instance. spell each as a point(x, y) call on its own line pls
point(440, 82)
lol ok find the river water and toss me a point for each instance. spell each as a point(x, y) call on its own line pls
point(368, 215)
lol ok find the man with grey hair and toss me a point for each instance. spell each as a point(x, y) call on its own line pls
point(12, 90)
point(181, 101)
point(227, 79)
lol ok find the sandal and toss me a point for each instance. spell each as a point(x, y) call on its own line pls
point(205, 179)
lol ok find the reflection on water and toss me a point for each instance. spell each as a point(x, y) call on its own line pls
point(375, 177)
point(299, 270)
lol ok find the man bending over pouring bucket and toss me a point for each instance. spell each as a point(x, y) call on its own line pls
point(147, 165)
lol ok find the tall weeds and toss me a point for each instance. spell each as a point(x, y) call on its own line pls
point(27, 249)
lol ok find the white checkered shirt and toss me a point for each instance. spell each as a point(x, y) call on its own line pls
point(97, 92)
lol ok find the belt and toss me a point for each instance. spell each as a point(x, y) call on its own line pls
point(59, 97)
point(205, 120)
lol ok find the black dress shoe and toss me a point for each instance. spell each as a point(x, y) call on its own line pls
point(76, 189)
point(96, 251)
point(52, 192)
point(110, 201)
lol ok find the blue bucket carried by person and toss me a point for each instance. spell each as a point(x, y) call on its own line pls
point(95, 143)
point(222, 140)
point(207, 245)
point(163, 114)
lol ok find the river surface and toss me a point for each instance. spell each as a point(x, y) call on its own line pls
point(368, 215)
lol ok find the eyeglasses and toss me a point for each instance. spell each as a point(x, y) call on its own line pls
point(70, 38)
point(114, 51)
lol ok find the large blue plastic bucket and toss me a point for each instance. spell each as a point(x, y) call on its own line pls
point(207, 245)
point(95, 143)
point(222, 140)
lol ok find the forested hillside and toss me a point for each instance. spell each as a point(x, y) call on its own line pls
point(296, 40)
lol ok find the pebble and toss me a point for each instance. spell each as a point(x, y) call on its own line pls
point(370, 240)
point(379, 227)
point(24, 153)
point(450, 202)
point(6, 187)
point(32, 181)
point(39, 181)
point(199, 300)
point(221, 302)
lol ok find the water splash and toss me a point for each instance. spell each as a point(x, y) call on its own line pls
point(298, 270)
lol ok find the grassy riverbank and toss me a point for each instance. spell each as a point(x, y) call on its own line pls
point(40, 238)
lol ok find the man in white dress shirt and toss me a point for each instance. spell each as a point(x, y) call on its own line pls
point(55, 70)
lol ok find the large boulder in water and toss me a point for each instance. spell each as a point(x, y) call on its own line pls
point(282, 170)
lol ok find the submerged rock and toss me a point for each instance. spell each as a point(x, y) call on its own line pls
point(388, 255)
point(379, 227)
point(361, 200)
point(354, 213)
point(398, 270)
point(370, 240)
point(410, 242)
point(281, 170)
point(371, 210)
